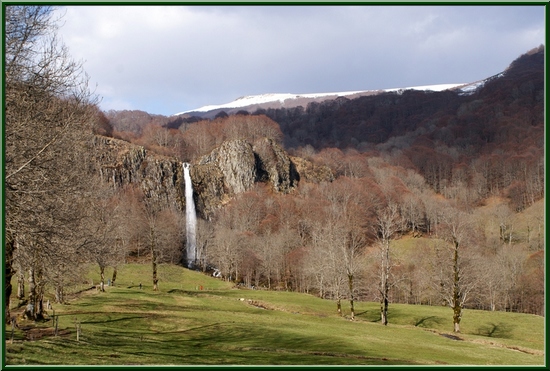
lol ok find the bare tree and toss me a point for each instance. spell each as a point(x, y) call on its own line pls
point(205, 234)
point(352, 251)
point(317, 263)
point(326, 239)
point(388, 223)
point(459, 281)
point(270, 254)
point(163, 235)
point(412, 208)
point(504, 216)
point(48, 119)
point(338, 240)
point(226, 252)
point(105, 229)
point(159, 228)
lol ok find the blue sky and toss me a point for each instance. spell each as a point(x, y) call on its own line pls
point(168, 59)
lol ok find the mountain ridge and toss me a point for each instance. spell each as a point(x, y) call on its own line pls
point(250, 103)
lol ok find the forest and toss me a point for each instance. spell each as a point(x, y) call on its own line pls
point(434, 197)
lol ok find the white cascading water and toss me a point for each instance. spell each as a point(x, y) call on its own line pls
point(191, 217)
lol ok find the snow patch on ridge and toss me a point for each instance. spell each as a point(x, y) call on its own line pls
point(469, 89)
point(250, 100)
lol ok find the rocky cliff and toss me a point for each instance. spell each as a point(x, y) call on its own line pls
point(121, 163)
point(230, 169)
point(274, 166)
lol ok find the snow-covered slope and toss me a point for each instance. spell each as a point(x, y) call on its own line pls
point(289, 100)
point(468, 89)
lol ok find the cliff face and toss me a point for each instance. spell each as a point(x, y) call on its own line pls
point(230, 169)
point(311, 173)
point(235, 160)
point(121, 163)
point(274, 166)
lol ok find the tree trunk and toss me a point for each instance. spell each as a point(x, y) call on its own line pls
point(384, 299)
point(8, 273)
point(30, 310)
point(154, 260)
point(39, 303)
point(384, 310)
point(20, 285)
point(457, 306)
point(339, 306)
point(411, 299)
point(257, 278)
point(350, 284)
point(35, 306)
point(457, 314)
point(385, 288)
point(102, 282)
point(155, 278)
point(114, 276)
point(59, 294)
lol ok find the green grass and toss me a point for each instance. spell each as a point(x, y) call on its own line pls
point(182, 325)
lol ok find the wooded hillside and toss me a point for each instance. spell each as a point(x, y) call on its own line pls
point(437, 169)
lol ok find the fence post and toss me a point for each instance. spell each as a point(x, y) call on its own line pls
point(78, 329)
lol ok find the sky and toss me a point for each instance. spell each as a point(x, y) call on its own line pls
point(175, 58)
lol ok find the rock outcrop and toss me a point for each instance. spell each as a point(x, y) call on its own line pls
point(235, 159)
point(310, 172)
point(230, 169)
point(235, 166)
point(121, 163)
point(274, 166)
point(209, 188)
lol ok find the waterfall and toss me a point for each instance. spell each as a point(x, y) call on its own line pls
point(190, 218)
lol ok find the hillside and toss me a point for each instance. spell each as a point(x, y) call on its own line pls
point(253, 103)
point(199, 320)
point(275, 187)
point(473, 121)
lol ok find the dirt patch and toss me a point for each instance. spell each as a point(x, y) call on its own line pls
point(38, 333)
point(527, 351)
point(534, 352)
point(34, 330)
point(452, 337)
point(258, 304)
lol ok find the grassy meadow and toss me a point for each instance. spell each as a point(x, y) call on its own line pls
point(199, 320)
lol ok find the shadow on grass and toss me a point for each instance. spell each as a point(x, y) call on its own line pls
point(369, 315)
point(221, 343)
point(113, 320)
point(428, 321)
point(187, 292)
point(500, 330)
point(231, 343)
